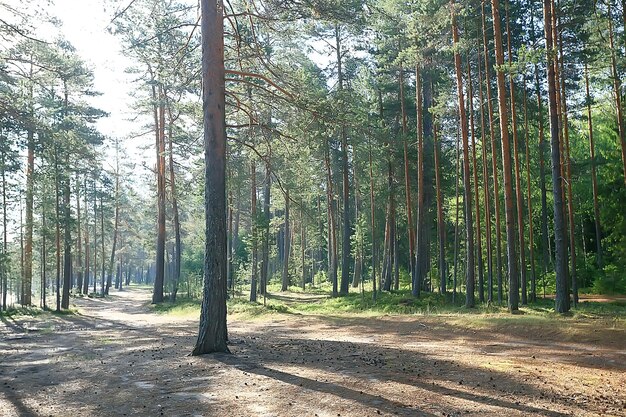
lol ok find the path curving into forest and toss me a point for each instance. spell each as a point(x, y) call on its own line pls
point(118, 358)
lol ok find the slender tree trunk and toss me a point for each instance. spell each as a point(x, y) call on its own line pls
point(175, 211)
point(494, 157)
point(302, 245)
point(159, 116)
point(332, 235)
point(617, 91)
point(253, 223)
point(28, 248)
point(5, 240)
point(79, 242)
point(568, 179)
point(542, 185)
point(58, 230)
point(562, 299)
point(594, 180)
point(116, 221)
point(102, 242)
point(373, 222)
point(212, 335)
point(285, 278)
point(531, 245)
point(479, 248)
point(87, 254)
point(506, 161)
point(44, 254)
point(265, 248)
point(441, 227)
point(485, 188)
point(457, 172)
point(418, 274)
point(95, 237)
point(467, 188)
point(519, 197)
point(345, 246)
point(407, 178)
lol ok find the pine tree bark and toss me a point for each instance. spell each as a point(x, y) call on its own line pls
point(253, 223)
point(562, 298)
point(212, 335)
point(494, 159)
point(285, 276)
point(594, 179)
point(266, 229)
point(479, 241)
point(467, 189)
point(441, 227)
point(418, 274)
point(485, 188)
point(531, 239)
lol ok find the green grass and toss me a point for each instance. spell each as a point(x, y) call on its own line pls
point(21, 311)
point(319, 302)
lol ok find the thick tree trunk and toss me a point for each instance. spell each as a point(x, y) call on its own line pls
point(506, 161)
point(467, 189)
point(542, 185)
point(212, 334)
point(562, 297)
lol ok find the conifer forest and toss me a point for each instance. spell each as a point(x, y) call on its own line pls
point(312, 208)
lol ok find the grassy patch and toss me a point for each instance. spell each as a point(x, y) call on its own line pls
point(21, 311)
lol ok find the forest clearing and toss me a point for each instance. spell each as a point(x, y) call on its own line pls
point(118, 356)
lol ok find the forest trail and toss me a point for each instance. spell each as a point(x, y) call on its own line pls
point(118, 358)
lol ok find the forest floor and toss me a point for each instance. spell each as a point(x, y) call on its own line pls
point(118, 357)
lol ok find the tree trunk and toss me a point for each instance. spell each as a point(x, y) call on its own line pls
point(67, 245)
point(594, 180)
point(116, 221)
point(418, 274)
point(441, 227)
point(159, 119)
point(485, 188)
point(562, 298)
point(253, 223)
point(373, 222)
point(212, 335)
point(332, 235)
point(506, 161)
point(531, 245)
point(87, 254)
point(519, 198)
point(345, 246)
point(265, 248)
point(285, 277)
point(494, 160)
point(456, 221)
point(407, 178)
point(28, 248)
point(542, 185)
point(175, 214)
point(479, 240)
point(467, 189)
point(79, 239)
point(617, 91)
point(58, 229)
point(5, 241)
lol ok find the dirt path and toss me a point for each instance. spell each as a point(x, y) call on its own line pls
point(118, 359)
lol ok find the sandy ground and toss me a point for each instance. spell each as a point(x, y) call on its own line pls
point(117, 359)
